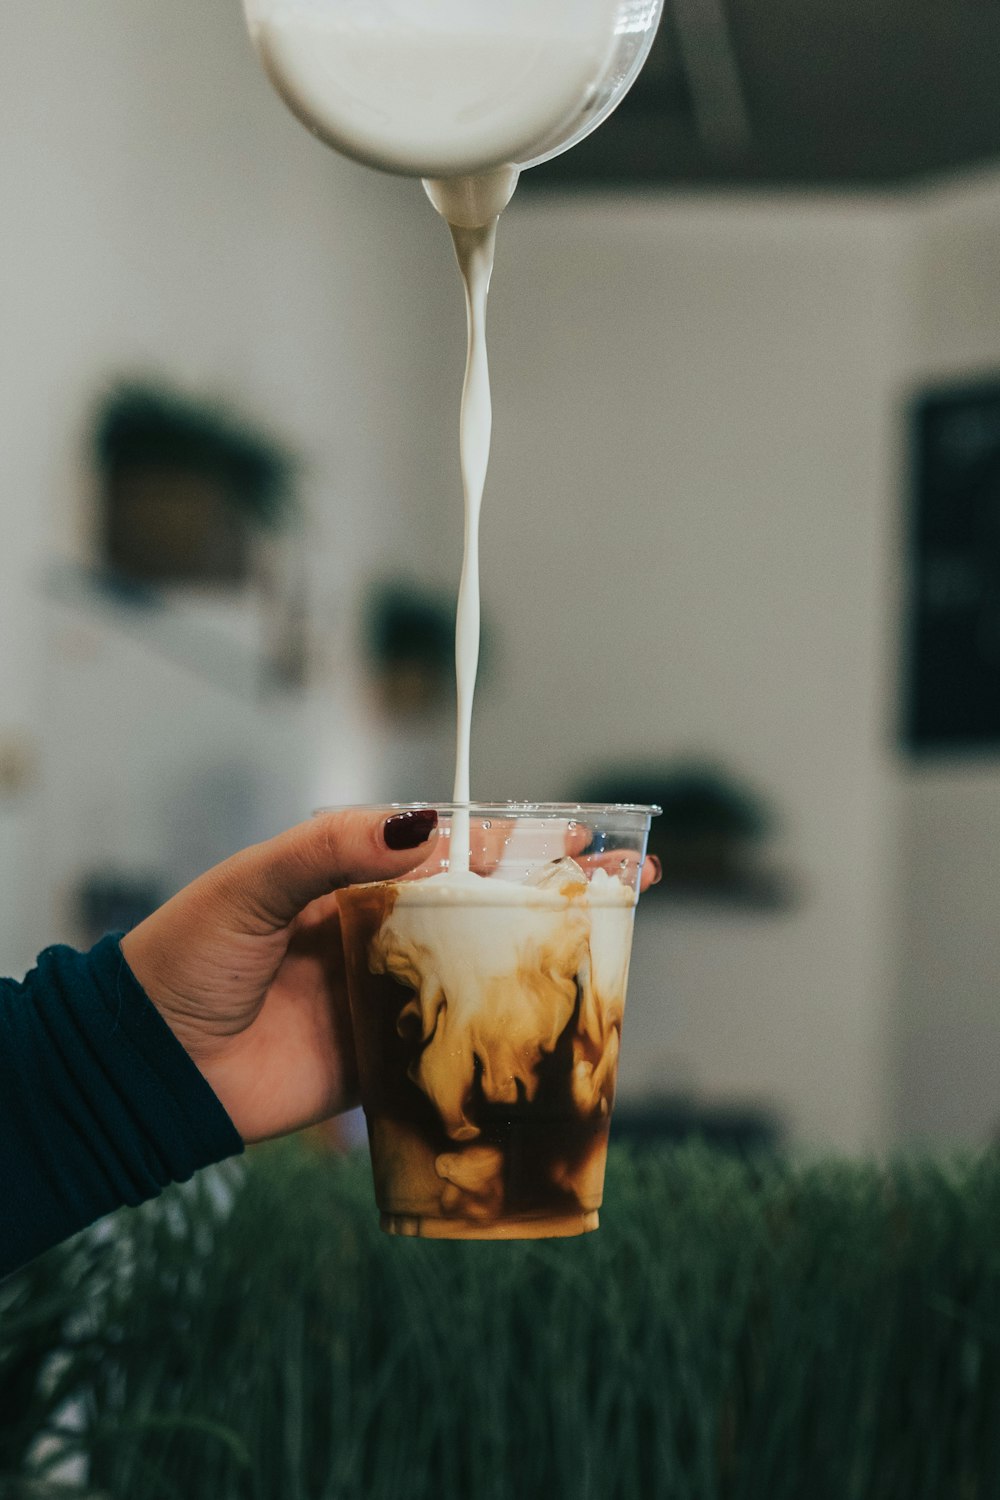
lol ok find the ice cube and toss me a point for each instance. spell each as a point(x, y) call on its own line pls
point(556, 875)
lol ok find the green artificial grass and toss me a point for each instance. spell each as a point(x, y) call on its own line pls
point(735, 1331)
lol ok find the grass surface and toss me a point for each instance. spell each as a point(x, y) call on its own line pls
point(733, 1332)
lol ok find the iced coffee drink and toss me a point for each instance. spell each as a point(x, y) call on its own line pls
point(487, 1005)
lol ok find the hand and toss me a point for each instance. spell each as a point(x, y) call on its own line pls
point(246, 966)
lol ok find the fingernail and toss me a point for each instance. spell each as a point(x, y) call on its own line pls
point(657, 869)
point(409, 830)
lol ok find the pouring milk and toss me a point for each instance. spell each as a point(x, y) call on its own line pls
point(461, 93)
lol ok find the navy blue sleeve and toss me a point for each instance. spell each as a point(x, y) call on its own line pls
point(100, 1105)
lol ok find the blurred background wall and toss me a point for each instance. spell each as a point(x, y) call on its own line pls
point(695, 457)
point(164, 215)
point(948, 1024)
point(693, 542)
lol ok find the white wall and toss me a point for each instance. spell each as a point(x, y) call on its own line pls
point(948, 1021)
point(693, 543)
point(685, 549)
point(162, 211)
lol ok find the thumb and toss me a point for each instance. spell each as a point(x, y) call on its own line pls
point(266, 886)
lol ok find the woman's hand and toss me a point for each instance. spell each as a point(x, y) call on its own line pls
point(246, 965)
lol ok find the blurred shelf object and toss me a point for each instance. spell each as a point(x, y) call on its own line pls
point(952, 629)
point(110, 900)
point(197, 542)
point(749, 890)
point(18, 763)
point(711, 837)
point(746, 1130)
point(185, 486)
point(230, 643)
point(410, 647)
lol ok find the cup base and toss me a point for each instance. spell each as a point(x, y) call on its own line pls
point(427, 1227)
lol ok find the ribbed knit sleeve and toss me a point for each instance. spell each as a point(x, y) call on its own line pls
point(100, 1105)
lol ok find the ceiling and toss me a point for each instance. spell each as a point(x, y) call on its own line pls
point(821, 93)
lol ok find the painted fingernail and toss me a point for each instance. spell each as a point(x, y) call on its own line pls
point(657, 869)
point(409, 830)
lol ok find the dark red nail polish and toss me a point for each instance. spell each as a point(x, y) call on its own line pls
point(657, 869)
point(409, 830)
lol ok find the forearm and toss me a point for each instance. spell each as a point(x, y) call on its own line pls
point(100, 1106)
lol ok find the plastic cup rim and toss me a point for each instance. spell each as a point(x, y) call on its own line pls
point(500, 809)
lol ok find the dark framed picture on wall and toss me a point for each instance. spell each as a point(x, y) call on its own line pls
point(951, 685)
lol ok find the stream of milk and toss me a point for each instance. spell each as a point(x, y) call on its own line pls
point(455, 99)
point(475, 250)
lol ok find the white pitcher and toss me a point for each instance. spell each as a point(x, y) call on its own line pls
point(453, 89)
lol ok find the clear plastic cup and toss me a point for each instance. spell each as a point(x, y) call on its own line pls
point(487, 996)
